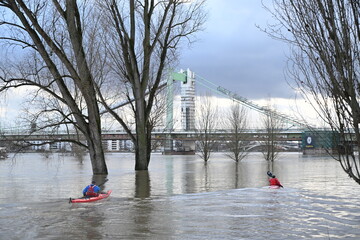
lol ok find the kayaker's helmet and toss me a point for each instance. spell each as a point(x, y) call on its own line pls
point(93, 182)
point(273, 176)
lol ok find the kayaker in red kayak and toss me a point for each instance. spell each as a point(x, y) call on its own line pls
point(91, 190)
point(274, 181)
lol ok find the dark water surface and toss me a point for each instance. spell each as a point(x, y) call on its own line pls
point(179, 198)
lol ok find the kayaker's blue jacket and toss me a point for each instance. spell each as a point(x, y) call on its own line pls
point(95, 188)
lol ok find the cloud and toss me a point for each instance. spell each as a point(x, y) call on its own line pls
point(234, 53)
point(10, 106)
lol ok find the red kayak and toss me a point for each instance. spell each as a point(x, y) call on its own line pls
point(91, 199)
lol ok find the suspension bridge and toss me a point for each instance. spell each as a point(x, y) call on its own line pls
point(187, 135)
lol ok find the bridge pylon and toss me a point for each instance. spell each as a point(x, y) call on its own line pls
point(187, 79)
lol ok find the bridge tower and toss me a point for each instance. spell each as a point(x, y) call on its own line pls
point(187, 79)
point(188, 102)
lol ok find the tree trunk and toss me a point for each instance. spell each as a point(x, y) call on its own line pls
point(143, 140)
point(95, 148)
point(97, 158)
point(87, 87)
point(141, 148)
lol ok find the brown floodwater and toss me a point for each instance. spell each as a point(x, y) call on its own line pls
point(180, 197)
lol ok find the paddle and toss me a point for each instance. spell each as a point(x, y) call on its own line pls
point(103, 182)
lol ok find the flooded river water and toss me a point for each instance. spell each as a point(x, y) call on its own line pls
point(179, 198)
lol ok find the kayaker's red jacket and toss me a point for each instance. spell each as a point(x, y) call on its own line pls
point(274, 181)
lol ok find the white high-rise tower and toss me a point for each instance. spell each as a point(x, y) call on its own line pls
point(188, 101)
point(187, 79)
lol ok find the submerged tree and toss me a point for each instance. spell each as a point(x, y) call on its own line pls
point(325, 36)
point(206, 125)
point(51, 37)
point(238, 140)
point(270, 143)
point(144, 39)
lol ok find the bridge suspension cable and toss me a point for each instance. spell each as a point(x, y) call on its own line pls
point(132, 99)
point(244, 101)
point(227, 93)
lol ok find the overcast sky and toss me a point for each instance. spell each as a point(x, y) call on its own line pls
point(234, 53)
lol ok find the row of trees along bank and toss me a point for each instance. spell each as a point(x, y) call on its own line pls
point(236, 120)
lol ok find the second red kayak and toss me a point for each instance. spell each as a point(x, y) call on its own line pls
point(91, 199)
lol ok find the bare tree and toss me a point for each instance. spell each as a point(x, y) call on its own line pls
point(51, 34)
point(238, 140)
point(325, 64)
point(270, 143)
point(207, 122)
point(144, 39)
